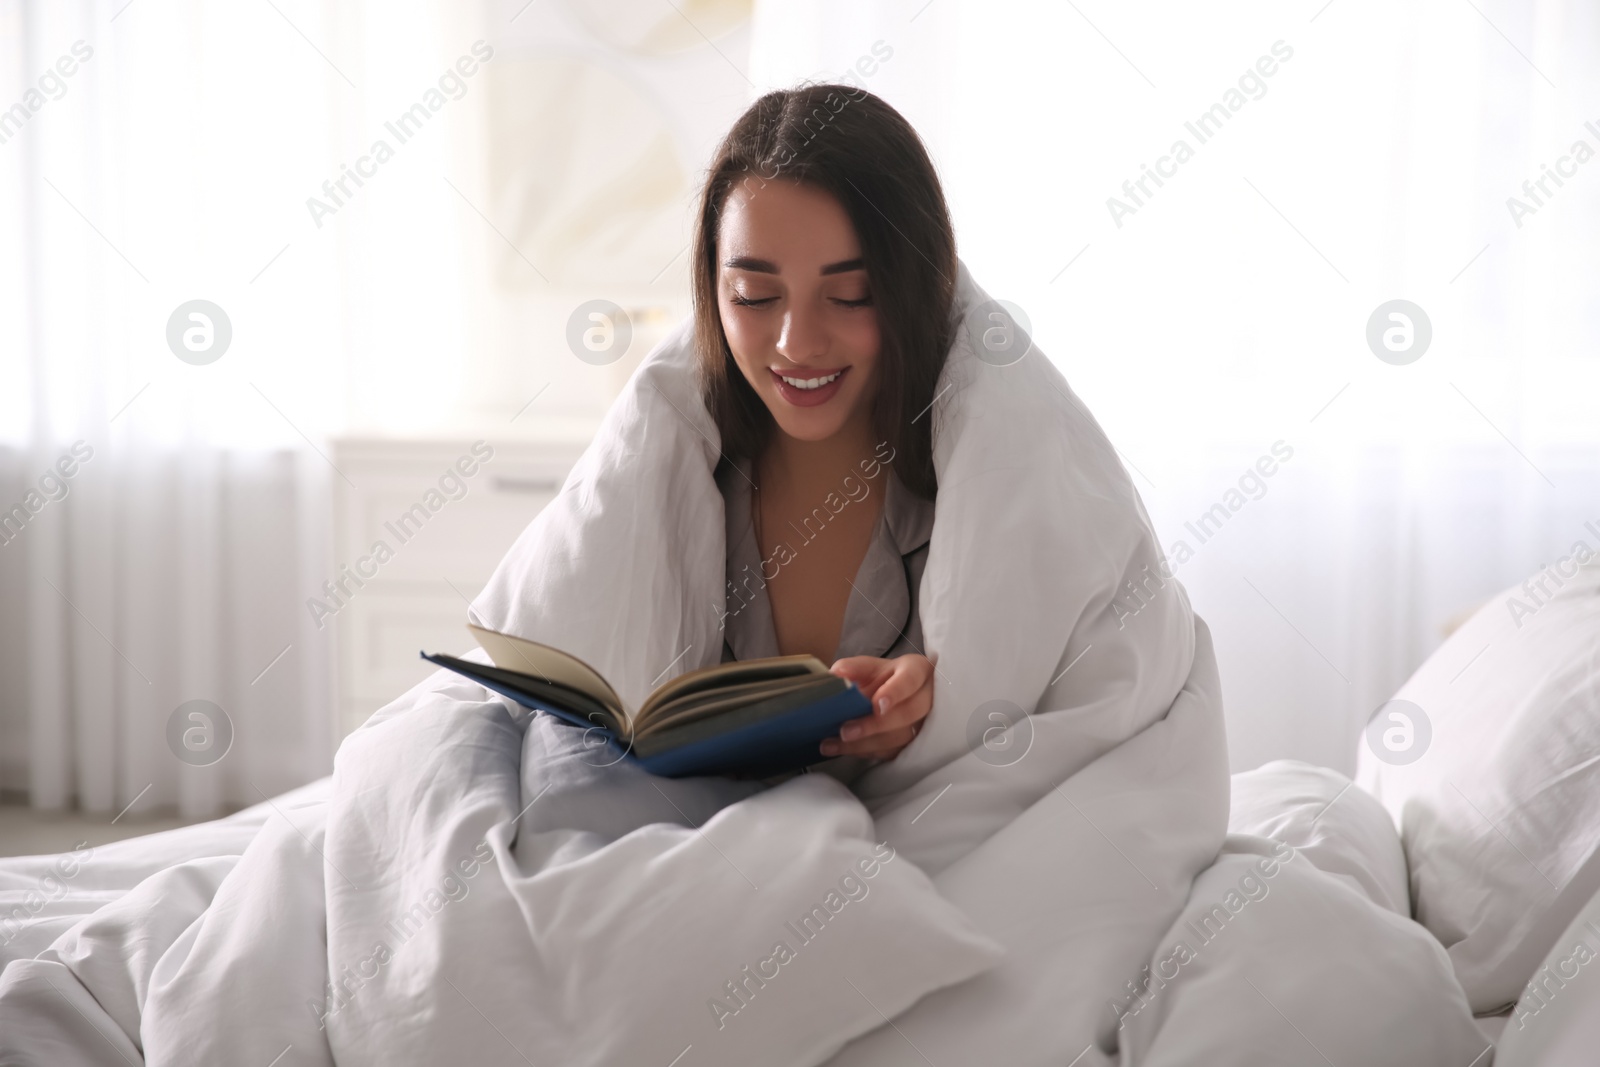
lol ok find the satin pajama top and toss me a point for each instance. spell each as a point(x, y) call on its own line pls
point(881, 618)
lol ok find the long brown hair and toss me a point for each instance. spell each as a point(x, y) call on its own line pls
point(853, 145)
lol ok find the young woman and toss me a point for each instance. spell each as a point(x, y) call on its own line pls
point(824, 277)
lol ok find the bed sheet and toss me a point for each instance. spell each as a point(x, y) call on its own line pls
point(42, 897)
point(1311, 809)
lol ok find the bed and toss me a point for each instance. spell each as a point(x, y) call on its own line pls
point(1333, 825)
point(478, 884)
point(1330, 822)
point(1337, 851)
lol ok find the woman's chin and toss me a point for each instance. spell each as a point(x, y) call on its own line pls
point(808, 425)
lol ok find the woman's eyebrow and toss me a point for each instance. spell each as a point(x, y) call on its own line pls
point(766, 266)
point(844, 266)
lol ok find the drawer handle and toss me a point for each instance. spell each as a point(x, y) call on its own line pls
point(526, 485)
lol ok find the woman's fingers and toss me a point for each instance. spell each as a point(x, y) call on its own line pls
point(909, 676)
point(859, 737)
point(868, 672)
point(902, 698)
point(877, 746)
point(903, 714)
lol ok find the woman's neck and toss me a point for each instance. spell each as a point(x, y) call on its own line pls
point(810, 465)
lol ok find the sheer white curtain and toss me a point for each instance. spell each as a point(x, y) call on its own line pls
point(174, 513)
point(174, 162)
point(1366, 154)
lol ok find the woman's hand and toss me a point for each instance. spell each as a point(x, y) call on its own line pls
point(901, 691)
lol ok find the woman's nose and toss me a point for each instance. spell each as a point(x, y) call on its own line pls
point(803, 337)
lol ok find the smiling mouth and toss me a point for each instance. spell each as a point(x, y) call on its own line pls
point(815, 382)
point(809, 390)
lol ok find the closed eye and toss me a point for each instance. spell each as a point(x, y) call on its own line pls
point(735, 298)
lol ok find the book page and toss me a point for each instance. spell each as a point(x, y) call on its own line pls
point(706, 703)
point(737, 672)
point(552, 665)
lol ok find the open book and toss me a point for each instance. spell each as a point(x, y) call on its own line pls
point(755, 718)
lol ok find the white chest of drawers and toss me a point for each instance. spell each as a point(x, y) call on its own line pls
point(416, 537)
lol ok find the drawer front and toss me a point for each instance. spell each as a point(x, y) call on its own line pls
point(439, 549)
point(387, 627)
point(462, 540)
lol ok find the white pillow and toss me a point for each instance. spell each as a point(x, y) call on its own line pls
point(1292, 967)
point(1492, 772)
point(1557, 1021)
point(1330, 821)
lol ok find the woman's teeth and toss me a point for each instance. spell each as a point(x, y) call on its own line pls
point(810, 383)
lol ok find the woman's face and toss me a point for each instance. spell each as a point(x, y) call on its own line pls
point(796, 306)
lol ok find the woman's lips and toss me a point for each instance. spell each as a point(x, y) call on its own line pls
point(809, 398)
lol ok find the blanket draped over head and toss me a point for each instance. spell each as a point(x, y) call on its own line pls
point(1041, 558)
point(483, 885)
